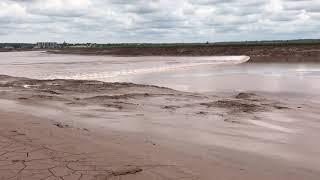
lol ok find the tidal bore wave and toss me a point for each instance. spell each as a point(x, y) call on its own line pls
point(110, 75)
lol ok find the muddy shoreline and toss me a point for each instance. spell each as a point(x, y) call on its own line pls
point(301, 53)
point(75, 129)
point(258, 53)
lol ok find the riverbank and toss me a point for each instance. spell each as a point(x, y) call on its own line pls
point(258, 53)
point(74, 129)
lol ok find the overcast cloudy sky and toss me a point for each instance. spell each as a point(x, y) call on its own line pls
point(157, 20)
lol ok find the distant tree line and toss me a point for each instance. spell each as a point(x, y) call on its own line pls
point(272, 42)
point(17, 45)
point(236, 43)
point(146, 45)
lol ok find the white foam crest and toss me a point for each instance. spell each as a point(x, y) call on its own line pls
point(272, 126)
point(126, 72)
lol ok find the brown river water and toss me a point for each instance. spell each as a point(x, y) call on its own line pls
point(286, 136)
point(193, 74)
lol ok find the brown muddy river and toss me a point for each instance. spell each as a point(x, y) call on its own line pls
point(196, 74)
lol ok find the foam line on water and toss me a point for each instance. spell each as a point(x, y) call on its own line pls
point(126, 72)
point(272, 126)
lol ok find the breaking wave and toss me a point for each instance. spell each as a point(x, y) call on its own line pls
point(113, 74)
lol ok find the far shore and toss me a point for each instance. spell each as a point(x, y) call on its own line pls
point(292, 53)
point(257, 53)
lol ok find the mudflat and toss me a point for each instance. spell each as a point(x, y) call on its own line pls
point(77, 129)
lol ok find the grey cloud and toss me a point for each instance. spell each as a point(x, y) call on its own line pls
point(307, 5)
point(211, 2)
point(156, 20)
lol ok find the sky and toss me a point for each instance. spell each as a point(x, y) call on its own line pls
point(157, 21)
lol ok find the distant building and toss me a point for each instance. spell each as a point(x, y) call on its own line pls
point(46, 45)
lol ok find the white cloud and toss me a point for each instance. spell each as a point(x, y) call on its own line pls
point(157, 20)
